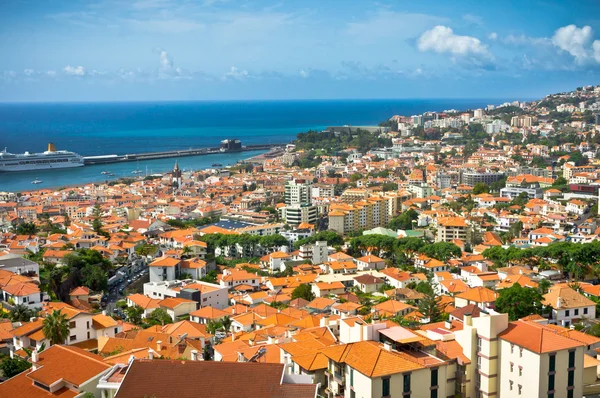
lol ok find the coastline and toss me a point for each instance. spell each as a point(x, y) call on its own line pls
point(20, 182)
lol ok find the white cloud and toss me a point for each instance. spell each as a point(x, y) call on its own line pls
point(235, 73)
point(74, 70)
point(28, 72)
point(303, 73)
point(596, 48)
point(51, 73)
point(493, 36)
point(442, 39)
point(575, 41)
point(166, 64)
point(473, 19)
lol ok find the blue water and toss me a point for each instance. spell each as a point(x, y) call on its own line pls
point(119, 128)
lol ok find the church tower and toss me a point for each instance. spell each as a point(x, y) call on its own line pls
point(176, 175)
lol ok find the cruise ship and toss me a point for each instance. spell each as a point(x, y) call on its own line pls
point(50, 159)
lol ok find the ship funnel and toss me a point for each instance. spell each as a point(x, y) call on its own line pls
point(51, 147)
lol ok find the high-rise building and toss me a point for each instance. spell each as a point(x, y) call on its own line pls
point(521, 121)
point(298, 192)
point(478, 113)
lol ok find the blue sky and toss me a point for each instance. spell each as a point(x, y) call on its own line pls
point(110, 50)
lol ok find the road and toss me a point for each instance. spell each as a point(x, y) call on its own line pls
point(118, 292)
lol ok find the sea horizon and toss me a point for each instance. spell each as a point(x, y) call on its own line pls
point(234, 100)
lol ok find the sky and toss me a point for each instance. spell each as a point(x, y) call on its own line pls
point(147, 50)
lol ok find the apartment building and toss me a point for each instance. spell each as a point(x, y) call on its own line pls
point(538, 362)
point(203, 293)
point(297, 214)
point(521, 121)
point(519, 359)
point(472, 177)
point(366, 214)
point(450, 228)
point(371, 369)
point(298, 192)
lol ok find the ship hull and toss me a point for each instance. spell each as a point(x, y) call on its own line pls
point(31, 167)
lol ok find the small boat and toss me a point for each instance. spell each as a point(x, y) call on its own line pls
point(217, 165)
point(137, 170)
point(105, 172)
point(36, 181)
point(111, 174)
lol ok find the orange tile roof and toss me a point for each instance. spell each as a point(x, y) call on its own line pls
point(536, 338)
point(479, 295)
point(164, 262)
point(371, 359)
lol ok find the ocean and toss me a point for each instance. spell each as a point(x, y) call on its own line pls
point(120, 128)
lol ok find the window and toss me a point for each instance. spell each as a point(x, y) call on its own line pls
point(385, 387)
point(511, 385)
point(512, 366)
point(88, 325)
point(478, 343)
point(552, 362)
point(520, 371)
point(72, 338)
point(570, 393)
point(576, 311)
point(571, 378)
point(567, 312)
point(116, 330)
point(406, 383)
point(71, 325)
point(585, 311)
point(434, 377)
point(88, 334)
point(351, 377)
point(24, 299)
point(520, 387)
point(571, 360)
point(512, 348)
point(551, 382)
point(520, 352)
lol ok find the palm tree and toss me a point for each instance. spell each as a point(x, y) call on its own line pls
point(187, 251)
point(226, 321)
point(56, 327)
point(21, 313)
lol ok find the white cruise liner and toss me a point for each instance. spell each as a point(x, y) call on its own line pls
point(50, 159)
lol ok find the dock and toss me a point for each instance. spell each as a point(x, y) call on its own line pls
point(105, 159)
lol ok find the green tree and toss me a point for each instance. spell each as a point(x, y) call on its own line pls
point(134, 314)
point(560, 181)
point(442, 251)
point(303, 291)
point(21, 313)
point(518, 302)
point(97, 221)
point(332, 239)
point(56, 327)
point(480, 188)
point(578, 158)
point(226, 321)
point(424, 287)
point(544, 285)
point(404, 221)
point(158, 317)
point(27, 228)
point(11, 367)
point(210, 277)
point(431, 308)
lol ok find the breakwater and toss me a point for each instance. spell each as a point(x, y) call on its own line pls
point(105, 159)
